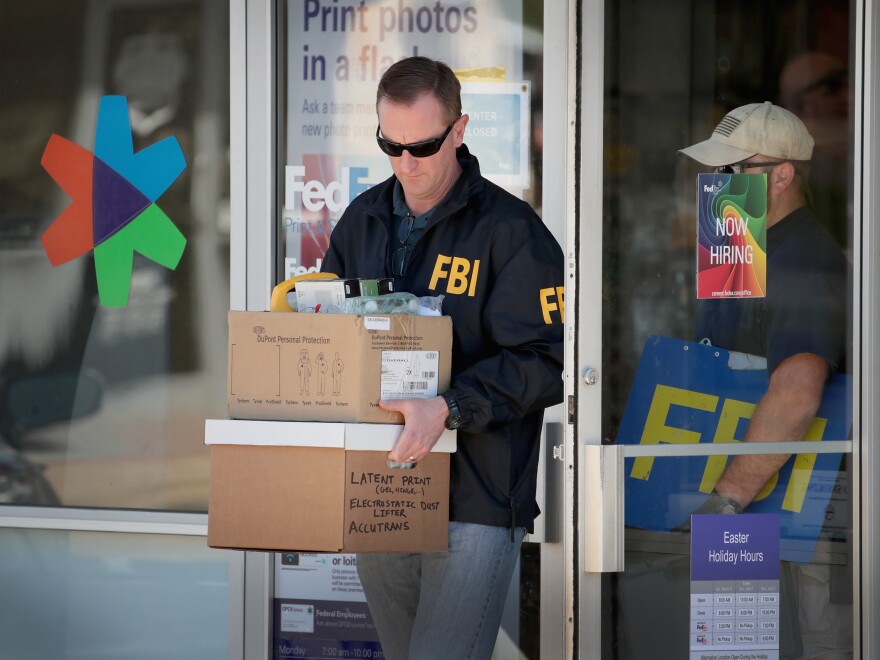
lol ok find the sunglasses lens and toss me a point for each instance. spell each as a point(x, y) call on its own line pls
point(422, 150)
point(389, 148)
point(415, 149)
point(397, 261)
point(405, 228)
point(426, 149)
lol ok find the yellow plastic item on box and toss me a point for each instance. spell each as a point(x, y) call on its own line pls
point(278, 302)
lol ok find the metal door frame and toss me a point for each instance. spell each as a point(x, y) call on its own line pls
point(867, 480)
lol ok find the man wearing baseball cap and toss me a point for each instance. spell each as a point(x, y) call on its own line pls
point(800, 326)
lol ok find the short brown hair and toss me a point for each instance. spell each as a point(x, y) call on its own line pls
point(409, 78)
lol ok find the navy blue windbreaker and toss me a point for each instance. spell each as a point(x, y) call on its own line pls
point(500, 271)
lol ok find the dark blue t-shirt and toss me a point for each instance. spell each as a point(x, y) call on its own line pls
point(806, 307)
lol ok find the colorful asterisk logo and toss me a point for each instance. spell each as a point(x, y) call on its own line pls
point(114, 194)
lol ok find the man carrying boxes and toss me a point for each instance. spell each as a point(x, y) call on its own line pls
point(439, 228)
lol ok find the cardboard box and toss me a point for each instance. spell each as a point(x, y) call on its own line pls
point(333, 367)
point(323, 487)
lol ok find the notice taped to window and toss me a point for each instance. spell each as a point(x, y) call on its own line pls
point(320, 609)
point(731, 235)
point(735, 601)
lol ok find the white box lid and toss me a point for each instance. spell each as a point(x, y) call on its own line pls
point(365, 437)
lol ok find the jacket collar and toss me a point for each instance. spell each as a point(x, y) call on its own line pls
point(467, 185)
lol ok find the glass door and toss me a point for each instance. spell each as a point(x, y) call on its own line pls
point(713, 332)
point(320, 91)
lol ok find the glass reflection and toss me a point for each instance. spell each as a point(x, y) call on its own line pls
point(105, 406)
point(816, 574)
point(707, 62)
point(102, 595)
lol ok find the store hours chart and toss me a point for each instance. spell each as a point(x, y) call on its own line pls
point(735, 598)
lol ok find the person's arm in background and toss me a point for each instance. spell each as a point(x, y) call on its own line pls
point(784, 413)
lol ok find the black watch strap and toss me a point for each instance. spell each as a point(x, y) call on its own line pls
point(454, 419)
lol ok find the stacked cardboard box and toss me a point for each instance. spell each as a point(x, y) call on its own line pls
point(304, 465)
point(333, 367)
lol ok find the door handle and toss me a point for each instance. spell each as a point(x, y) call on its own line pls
point(603, 508)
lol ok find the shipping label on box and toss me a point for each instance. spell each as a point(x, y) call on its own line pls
point(333, 367)
point(408, 374)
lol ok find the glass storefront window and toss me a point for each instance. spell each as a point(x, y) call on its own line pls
point(711, 63)
point(664, 91)
point(815, 618)
point(332, 63)
point(104, 406)
point(102, 595)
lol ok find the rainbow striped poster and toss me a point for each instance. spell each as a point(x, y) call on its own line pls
point(731, 235)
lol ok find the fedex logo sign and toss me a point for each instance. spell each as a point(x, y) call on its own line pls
point(316, 195)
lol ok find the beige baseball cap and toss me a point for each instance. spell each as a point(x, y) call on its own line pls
point(756, 128)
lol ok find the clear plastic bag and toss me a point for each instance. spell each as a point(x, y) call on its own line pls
point(394, 303)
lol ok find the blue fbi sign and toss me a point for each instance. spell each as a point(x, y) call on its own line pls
point(686, 393)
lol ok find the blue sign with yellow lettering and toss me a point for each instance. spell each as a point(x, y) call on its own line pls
point(687, 392)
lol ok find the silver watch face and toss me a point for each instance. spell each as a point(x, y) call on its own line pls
point(728, 508)
point(453, 421)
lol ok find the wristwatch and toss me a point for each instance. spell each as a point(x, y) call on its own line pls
point(718, 503)
point(454, 419)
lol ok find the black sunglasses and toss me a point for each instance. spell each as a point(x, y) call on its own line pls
point(398, 259)
point(739, 168)
point(833, 82)
point(421, 149)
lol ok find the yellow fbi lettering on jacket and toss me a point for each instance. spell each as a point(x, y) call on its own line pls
point(552, 300)
point(461, 277)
